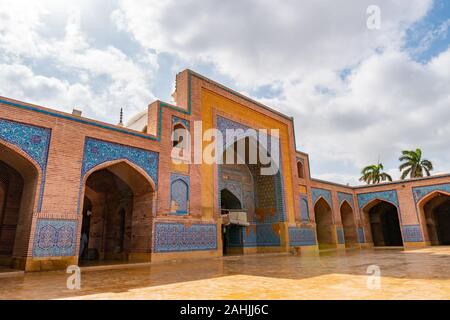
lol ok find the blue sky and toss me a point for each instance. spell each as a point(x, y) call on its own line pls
point(357, 95)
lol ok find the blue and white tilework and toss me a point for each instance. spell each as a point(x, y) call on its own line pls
point(361, 236)
point(304, 210)
point(32, 140)
point(389, 196)
point(420, 192)
point(325, 194)
point(345, 197)
point(179, 192)
point(97, 152)
point(340, 235)
point(184, 122)
point(176, 237)
point(55, 238)
point(412, 233)
point(302, 237)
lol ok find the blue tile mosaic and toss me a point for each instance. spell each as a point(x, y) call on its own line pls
point(271, 192)
point(420, 192)
point(32, 140)
point(340, 235)
point(55, 238)
point(325, 194)
point(175, 237)
point(179, 192)
point(361, 236)
point(302, 237)
point(234, 187)
point(412, 233)
point(304, 210)
point(266, 236)
point(184, 122)
point(345, 197)
point(97, 152)
point(365, 198)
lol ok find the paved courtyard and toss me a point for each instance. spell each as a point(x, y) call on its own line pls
point(417, 274)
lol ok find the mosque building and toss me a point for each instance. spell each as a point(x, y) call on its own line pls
point(77, 191)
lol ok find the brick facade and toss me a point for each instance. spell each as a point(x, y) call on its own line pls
point(172, 209)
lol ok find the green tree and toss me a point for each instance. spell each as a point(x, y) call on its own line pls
point(374, 174)
point(413, 164)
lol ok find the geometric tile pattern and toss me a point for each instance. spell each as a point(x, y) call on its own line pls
point(179, 192)
point(304, 210)
point(175, 237)
point(325, 194)
point(420, 192)
point(33, 140)
point(266, 236)
point(412, 233)
point(301, 237)
point(365, 198)
point(340, 235)
point(361, 237)
point(345, 196)
point(55, 238)
point(269, 190)
point(97, 152)
point(184, 122)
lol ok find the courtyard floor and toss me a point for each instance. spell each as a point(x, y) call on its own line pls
point(415, 274)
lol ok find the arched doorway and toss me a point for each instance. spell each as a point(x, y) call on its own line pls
point(348, 222)
point(436, 210)
point(18, 185)
point(384, 223)
point(117, 215)
point(324, 225)
point(246, 188)
point(231, 234)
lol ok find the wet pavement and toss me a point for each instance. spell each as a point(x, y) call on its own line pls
point(415, 274)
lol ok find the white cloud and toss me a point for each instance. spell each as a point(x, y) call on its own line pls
point(388, 101)
point(98, 80)
point(356, 94)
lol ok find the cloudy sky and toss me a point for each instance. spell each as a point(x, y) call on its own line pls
point(357, 95)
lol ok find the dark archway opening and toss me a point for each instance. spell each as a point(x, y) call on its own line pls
point(385, 225)
point(229, 201)
point(18, 184)
point(231, 234)
point(300, 170)
point(348, 223)
point(117, 216)
point(324, 225)
point(245, 172)
point(437, 215)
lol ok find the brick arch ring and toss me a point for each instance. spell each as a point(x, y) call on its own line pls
point(322, 197)
point(105, 165)
point(364, 208)
point(431, 195)
point(40, 175)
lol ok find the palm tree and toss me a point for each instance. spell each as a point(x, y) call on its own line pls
point(374, 174)
point(413, 164)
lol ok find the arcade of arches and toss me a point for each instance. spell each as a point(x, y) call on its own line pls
point(117, 215)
